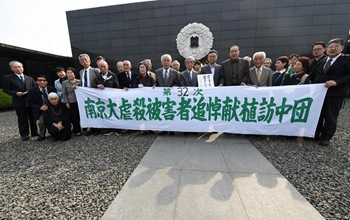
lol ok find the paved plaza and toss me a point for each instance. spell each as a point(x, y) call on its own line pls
point(214, 176)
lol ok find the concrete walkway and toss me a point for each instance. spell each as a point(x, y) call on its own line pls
point(215, 176)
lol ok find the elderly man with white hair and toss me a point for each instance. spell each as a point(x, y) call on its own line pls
point(259, 75)
point(189, 76)
point(166, 76)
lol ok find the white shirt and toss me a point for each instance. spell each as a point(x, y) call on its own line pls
point(256, 70)
point(164, 72)
point(212, 69)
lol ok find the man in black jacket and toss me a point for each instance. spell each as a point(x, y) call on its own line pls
point(17, 85)
point(318, 51)
point(38, 101)
point(334, 71)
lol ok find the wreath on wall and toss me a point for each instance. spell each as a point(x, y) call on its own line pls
point(195, 39)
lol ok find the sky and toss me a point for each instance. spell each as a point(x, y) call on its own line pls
point(41, 25)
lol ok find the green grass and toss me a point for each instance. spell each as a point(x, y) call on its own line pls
point(5, 100)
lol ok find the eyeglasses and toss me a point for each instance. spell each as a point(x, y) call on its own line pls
point(334, 47)
point(41, 80)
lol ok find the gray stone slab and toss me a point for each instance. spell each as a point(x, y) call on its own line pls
point(243, 158)
point(164, 154)
point(177, 138)
point(226, 138)
point(272, 197)
point(208, 195)
point(203, 156)
point(148, 194)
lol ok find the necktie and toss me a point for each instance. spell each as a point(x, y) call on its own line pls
point(166, 76)
point(45, 98)
point(85, 79)
point(327, 66)
point(22, 79)
point(129, 77)
point(259, 75)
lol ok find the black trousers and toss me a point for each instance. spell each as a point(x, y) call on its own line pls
point(64, 134)
point(327, 123)
point(25, 118)
point(74, 117)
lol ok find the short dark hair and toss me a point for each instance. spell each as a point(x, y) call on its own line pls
point(142, 63)
point(197, 63)
point(40, 76)
point(323, 44)
point(293, 55)
point(100, 58)
point(284, 59)
point(59, 69)
point(71, 69)
point(213, 51)
point(336, 40)
point(305, 62)
point(234, 45)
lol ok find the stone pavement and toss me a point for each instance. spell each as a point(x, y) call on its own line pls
point(213, 176)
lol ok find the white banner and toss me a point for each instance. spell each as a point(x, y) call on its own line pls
point(284, 110)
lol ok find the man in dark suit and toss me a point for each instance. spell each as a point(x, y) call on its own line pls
point(334, 71)
point(166, 76)
point(38, 101)
point(128, 79)
point(189, 76)
point(318, 51)
point(87, 76)
point(17, 85)
point(234, 71)
point(259, 75)
point(212, 67)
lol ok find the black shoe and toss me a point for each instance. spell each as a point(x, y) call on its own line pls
point(89, 132)
point(324, 143)
point(40, 138)
point(98, 132)
point(25, 138)
point(35, 135)
point(107, 132)
point(77, 133)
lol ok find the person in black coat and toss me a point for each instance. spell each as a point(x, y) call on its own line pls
point(212, 67)
point(144, 78)
point(17, 85)
point(57, 119)
point(128, 79)
point(281, 76)
point(38, 101)
point(105, 79)
point(334, 71)
point(300, 75)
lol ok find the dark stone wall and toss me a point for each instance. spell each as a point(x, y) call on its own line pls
point(149, 29)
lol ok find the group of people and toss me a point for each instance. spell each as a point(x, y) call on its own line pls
point(55, 108)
